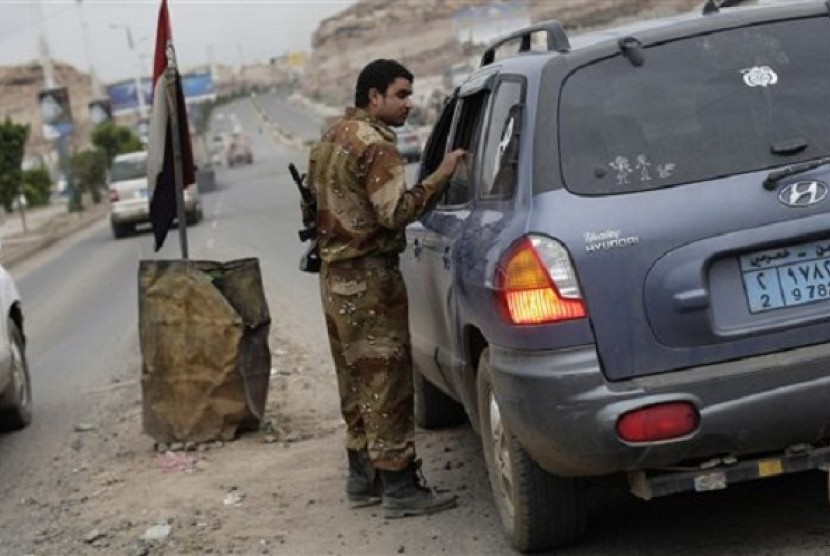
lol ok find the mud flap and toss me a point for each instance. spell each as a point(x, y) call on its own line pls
point(203, 329)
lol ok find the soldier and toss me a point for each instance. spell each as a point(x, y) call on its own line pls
point(363, 206)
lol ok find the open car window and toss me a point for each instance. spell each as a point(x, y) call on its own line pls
point(465, 136)
point(436, 145)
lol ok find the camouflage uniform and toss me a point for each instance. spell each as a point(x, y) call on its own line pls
point(363, 205)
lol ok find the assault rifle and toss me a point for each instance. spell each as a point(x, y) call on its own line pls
point(310, 261)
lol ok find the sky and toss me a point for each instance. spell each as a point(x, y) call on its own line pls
point(228, 31)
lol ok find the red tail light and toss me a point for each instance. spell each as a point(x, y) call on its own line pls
point(532, 285)
point(658, 422)
point(113, 195)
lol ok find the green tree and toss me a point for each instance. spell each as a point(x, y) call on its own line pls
point(37, 186)
point(89, 170)
point(114, 139)
point(12, 146)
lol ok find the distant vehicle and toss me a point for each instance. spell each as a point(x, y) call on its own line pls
point(15, 382)
point(217, 149)
point(238, 149)
point(130, 199)
point(409, 143)
point(629, 273)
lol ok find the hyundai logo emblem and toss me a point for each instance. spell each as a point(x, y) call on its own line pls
point(803, 193)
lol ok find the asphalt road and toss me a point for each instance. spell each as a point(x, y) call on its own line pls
point(81, 309)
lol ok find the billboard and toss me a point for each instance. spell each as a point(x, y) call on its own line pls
point(55, 112)
point(100, 111)
point(123, 97)
point(197, 87)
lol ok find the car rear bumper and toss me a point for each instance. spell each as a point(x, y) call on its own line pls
point(564, 412)
point(130, 213)
point(138, 212)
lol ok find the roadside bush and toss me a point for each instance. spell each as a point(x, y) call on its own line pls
point(89, 171)
point(37, 186)
point(12, 144)
point(114, 139)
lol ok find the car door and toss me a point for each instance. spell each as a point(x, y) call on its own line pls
point(443, 226)
point(422, 305)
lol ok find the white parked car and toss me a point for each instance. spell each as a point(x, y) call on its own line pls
point(15, 383)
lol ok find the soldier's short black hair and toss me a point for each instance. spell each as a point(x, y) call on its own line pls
point(378, 74)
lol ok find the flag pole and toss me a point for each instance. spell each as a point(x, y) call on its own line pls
point(170, 75)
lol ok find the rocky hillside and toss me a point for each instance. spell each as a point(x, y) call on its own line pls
point(420, 34)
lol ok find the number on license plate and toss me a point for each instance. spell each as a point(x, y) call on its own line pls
point(786, 277)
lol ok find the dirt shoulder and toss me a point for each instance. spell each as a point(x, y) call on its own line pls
point(276, 491)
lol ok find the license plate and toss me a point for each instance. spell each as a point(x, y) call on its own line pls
point(785, 277)
point(141, 193)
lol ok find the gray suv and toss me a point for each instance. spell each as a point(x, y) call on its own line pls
point(631, 272)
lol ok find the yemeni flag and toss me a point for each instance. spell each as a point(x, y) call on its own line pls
point(160, 156)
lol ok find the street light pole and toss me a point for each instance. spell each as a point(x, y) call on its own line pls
point(142, 105)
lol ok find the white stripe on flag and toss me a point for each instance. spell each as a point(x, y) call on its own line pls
point(158, 133)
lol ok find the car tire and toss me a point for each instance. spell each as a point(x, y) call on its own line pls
point(120, 230)
point(195, 217)
point(433, 408)
point(16, 400)
point(537, 509)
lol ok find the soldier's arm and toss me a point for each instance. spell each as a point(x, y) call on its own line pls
point(395, 205)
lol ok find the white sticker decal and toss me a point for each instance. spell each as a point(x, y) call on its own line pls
point(759, 76)
point(643, 165)
point(623, 167)
point(665, 170)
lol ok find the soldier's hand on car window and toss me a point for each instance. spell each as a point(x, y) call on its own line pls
point(450, 162)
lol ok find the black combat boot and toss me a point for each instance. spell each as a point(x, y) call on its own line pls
point(405, 493)
point(363, 487)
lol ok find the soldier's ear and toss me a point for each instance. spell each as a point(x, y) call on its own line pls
point(374, 96)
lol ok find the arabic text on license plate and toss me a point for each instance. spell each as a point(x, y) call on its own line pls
point(788, 276)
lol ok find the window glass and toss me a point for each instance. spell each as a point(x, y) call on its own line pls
point(502, 143)
point(128, 169)
point(729, 102)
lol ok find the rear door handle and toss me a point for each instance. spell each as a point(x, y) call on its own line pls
point(417, 247)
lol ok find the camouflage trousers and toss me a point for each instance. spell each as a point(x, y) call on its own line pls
point(366, 313)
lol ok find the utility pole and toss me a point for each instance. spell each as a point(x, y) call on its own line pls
point(97, 90)
point(142, 105)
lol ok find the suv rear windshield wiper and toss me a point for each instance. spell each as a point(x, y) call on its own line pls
point(776, 175)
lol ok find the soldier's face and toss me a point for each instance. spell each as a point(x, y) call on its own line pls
point(392, 107)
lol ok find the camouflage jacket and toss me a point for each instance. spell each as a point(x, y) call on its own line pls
point(357, 177)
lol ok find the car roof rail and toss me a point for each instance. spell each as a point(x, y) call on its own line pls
point(557, 40)
point(713, 6)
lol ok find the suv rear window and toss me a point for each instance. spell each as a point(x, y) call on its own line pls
point(133, 169)
point(698, 108)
